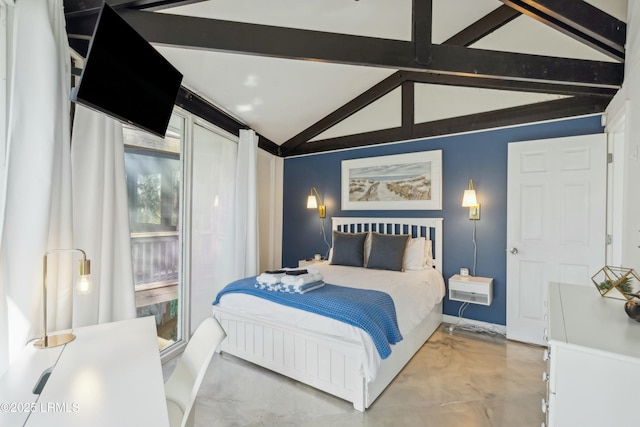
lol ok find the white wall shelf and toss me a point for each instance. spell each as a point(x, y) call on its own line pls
point(475, 290)
point(307, 262)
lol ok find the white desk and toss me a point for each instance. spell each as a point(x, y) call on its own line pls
point(110, 375)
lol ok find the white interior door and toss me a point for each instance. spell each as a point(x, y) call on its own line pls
point(556, 224)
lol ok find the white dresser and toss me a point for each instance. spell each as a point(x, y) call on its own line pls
point(594, 360)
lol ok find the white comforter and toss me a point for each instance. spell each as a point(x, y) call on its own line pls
point(414, 294)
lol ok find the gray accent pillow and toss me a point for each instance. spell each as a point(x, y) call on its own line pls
point(387, 251)
point(348, 249)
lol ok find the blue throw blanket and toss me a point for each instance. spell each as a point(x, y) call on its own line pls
point(372, 311)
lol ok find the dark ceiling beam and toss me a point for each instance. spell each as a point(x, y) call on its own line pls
point(510, 85)
point(562, 108)
point(525, 114)
point(351, 141)
point(484, 26)
point(79, 31)
point(162, 4)
point(408, 107)
point(80, 46)
point(87, 7)
point(243, 38)
point(265, 40)
point(74, 8)
point(351, 107)
point(491, 64)
point(82, 25)
point(579, 20)
point(422, 12)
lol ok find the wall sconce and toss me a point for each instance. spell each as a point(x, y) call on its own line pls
point(470, 201)
point(314, 201)
point(83, 287)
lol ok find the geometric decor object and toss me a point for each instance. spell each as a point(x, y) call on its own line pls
point(624, 280)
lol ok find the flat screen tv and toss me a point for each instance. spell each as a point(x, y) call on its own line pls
point(127, 78)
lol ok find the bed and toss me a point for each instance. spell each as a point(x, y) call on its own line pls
point(324, 353)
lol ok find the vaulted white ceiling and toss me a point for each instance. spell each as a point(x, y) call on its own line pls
point(279, 98)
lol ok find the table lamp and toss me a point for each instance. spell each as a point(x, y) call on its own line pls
point(83, 287)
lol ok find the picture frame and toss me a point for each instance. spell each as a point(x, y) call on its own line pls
point(411, 181)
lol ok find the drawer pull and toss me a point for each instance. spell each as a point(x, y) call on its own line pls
point(546, 355)
point(545, 376)
point(544, 406)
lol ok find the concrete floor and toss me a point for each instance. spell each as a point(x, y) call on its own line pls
point(456, 379)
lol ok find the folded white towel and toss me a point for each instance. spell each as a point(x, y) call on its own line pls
point(308, 288)
point(303, 289)
point(270, 279)
point(292, 289)
point(301, 279)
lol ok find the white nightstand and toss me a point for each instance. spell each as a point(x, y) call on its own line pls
point(307, 262)
point(476, 290)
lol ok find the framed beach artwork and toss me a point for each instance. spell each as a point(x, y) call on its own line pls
point(411, 181)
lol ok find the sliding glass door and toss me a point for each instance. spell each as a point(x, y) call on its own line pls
point(181, 195)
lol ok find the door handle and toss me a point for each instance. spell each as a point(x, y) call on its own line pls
point(513, 251)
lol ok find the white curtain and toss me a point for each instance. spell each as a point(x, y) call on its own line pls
point(6, 18)
point(101, 217)
point(36, 182)
point(246, 215)
point(214, 156)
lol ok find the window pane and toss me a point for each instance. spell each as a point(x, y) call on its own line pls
point(153, 182)
point(154, 179)
point(148, 201)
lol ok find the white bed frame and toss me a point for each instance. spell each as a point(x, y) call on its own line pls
point(327, 363)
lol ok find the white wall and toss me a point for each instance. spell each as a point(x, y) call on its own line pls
point(624, 131)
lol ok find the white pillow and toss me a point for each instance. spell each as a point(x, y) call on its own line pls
point(367, 247)
point(428, 253)
point(414, 254)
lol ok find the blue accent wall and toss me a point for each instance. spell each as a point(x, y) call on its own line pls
point(481, 156)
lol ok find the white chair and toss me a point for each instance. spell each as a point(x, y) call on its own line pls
point(183, 385)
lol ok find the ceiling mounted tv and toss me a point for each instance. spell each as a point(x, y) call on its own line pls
point(127, 78)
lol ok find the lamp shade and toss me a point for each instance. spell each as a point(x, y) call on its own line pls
point(84, 285)
point(312, 203)
point(469, 199)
